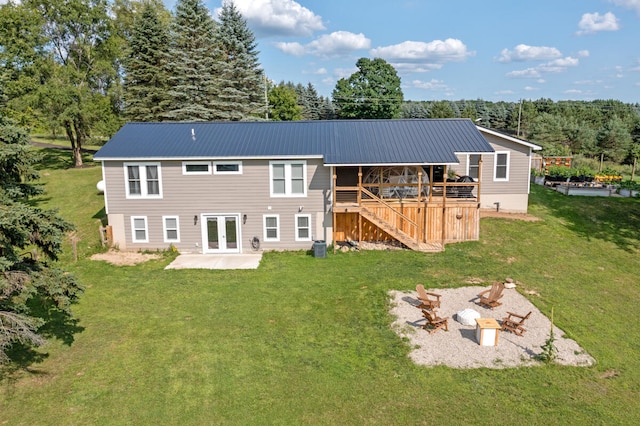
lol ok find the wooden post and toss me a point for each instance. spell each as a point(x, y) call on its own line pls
point(359, 185)
point(419, 232)
point(333, 211)
point(430, 182)
point(359, 204)
point(74, 245)
point(479, 178)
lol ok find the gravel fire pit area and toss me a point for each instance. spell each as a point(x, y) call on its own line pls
point(459, 348)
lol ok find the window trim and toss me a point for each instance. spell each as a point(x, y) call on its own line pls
point(288, 178)
point(495, 166)
point(165, 229)
point(133, 229)
point(143, 180)
point(264, 227)
point(193, 163)
point(477, 166)
point(297, 236)
point(217, 163)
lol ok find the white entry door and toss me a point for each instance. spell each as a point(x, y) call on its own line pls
point(220, 233)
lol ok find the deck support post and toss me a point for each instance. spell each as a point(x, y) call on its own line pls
point(333, 211)
point(359, 204)
point(419, 233)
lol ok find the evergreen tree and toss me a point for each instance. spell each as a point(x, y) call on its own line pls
point(145, 83)
point(33, 295)
point(242, 83)
point(193, 66)
point(441, 109)
point(312, 102)
point(327, 109)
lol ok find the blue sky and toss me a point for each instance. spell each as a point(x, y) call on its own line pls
point(496, 50)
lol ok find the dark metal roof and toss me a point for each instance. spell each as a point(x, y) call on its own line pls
point(344, 142)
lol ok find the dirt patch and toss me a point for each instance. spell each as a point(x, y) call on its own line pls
point(506, 215)
point(124, 258)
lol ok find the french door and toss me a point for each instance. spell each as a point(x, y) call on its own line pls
point(220, 233)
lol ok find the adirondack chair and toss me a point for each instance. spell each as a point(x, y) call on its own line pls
point(489, 298)
point(513, 323)
point(427, 299)
point(434, 322)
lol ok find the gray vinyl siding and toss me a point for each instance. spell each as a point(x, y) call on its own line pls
point(511, 194)
point(519, 155)
point(190, 196)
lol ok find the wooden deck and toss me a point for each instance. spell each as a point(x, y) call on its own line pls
point(422, 216)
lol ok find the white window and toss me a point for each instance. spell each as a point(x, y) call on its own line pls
point(501, 168)
point(196, 168)
point(139, 232)
point(171, 226)
point(288, 178)
point(227, 167)
point(303, 227)
point(473, 166)
point(143, 180)
point(271, 228)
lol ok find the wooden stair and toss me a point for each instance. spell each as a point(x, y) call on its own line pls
point(399, 235)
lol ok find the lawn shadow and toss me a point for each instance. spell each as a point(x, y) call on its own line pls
point(58, 325)
point(611, 219)
point(101, 215)
point(61, 158)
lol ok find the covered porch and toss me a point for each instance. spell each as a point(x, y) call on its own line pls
point(422, 206)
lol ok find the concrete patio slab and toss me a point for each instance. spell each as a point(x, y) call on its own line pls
point(217, 261)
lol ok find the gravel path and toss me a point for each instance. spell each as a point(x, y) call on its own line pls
point(458, 347)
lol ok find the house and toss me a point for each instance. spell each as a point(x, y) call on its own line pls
point(233, 187)
point(506, 174)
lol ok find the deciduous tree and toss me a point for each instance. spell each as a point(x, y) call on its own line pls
point(372, 92)
point(283, 104)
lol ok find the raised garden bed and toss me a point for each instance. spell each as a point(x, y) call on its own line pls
point(588, 191)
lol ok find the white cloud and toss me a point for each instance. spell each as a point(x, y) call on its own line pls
point(436, 85)
point(528, 73)
point(629, 4)
point(523, 52)
point(295, 48)
point(573, 92)
point(319, 71)
point(551, 67)
point(584, 53)
point(420, 57)
point(530, 88)
point(344, 72)
point(279, 17)
point(594, 22)
point(338, 43)
point(437, 51)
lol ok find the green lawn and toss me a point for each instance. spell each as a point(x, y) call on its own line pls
point(303, 340)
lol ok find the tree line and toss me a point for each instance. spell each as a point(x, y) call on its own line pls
point(84, 67)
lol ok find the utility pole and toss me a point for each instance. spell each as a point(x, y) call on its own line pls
point(266, 99)
point(519, 118)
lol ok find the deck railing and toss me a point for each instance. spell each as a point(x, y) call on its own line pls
point(408, 192)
